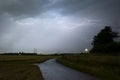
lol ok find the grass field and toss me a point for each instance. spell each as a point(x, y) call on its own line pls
point(106, 67)
point(21, 67)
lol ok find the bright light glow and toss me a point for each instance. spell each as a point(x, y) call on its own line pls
point(86, 50)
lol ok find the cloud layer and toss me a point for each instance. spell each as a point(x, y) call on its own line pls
point(54, 25)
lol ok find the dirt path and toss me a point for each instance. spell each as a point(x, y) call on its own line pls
point(51, 70)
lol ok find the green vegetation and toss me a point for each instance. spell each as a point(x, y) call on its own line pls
point(106, 67)
point(102, 61)
point(21, 67)
point(104, 41)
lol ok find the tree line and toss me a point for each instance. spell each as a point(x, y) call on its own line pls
point(106, 41)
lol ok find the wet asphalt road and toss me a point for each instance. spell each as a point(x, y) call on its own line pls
point(51, 70)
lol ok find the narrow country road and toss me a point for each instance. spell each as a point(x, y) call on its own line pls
point(51, 70)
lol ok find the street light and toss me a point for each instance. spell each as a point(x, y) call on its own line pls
point(86, 50)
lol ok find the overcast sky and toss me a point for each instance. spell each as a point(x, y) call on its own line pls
point(54, 25)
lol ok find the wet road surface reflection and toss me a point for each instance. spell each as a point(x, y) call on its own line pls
point(51, 70)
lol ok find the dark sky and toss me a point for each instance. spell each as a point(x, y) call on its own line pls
point(54, 25)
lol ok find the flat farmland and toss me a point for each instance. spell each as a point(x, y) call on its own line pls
point(106, 67)
point(17, 67)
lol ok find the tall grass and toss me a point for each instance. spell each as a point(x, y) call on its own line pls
point(21, 67)
point(105, 66)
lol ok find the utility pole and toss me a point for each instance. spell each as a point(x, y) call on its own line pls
point(35, 50)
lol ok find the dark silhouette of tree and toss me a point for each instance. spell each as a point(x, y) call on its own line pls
point(104, 41)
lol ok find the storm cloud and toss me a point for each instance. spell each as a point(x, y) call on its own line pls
point(54, 25)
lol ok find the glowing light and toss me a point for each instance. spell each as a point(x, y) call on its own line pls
point(86, 50)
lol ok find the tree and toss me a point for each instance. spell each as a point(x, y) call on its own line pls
point(104, 41)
